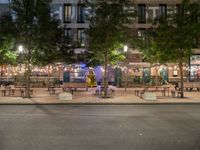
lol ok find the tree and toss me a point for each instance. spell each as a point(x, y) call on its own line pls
point(7, 54)
point(145, 43)
point(174, 36)
point(36, 30)
point(107, 32)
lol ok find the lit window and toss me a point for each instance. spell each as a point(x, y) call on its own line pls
point(80, 38)
point(68, 12)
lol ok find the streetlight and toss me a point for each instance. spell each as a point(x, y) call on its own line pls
point(126, 50)
point(21, 50)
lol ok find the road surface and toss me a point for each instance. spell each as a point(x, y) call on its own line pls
point(100, 127)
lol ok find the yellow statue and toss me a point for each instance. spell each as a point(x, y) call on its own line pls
point(91, 81)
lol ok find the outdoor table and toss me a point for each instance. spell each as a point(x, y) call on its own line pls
point(7, 88)
point(50, 88)
point(22, 91)
point(71, 89)
point(3, 90)
point(161, 89)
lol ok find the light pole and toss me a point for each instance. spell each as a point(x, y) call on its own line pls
point(126, 50)
point(21, 51)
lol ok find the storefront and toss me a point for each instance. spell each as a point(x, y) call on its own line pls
point(195, 68)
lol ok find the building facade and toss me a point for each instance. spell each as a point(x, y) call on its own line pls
point(4, 7)
point(147, 11)
point(71, 14)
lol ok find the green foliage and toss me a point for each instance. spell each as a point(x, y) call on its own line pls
point(107, 29)
point(174, 38)
point(7, 56)
point(35, 29)
point(107, 32)
point(7, 32)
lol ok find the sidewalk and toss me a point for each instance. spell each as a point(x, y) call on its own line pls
point(42, 96)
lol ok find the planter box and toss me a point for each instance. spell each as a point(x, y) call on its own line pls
point(65, 96)
point(149, 96)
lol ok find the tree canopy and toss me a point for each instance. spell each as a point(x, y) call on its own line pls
point(174, 36)
point(107, 32)
point(32, 26)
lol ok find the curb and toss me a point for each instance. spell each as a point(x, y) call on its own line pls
point(150, 103)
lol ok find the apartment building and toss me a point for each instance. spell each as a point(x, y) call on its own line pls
point(4, 6)
point(71, 14)
point(147, 11)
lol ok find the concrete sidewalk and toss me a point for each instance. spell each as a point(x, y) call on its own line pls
point(42, 96)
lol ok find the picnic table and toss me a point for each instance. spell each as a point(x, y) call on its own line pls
point(3, 91)
point(190, 85)
point(20, 89)
point(162, 89)
point(75, 85)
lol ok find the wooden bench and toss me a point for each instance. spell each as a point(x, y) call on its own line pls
point(190, 85)
point(139, 93)
point(75, 85)
point(157, 90)
point(3, 91)
point(53, 90)
point(22, 92)
point(161, 89)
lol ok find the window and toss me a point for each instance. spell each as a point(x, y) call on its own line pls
point(177, 8)
point(68, 36)
point(80, 13)
point(80, 38)
point(163, 10)
point(67, 13)
point(141, 33)
point(141, 13)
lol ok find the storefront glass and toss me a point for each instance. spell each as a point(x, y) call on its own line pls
point(195, 67)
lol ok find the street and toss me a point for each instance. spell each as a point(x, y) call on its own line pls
point(99, 127)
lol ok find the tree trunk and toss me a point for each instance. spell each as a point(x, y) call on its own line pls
point(156, 75)
point(125, 75)
point(48, 75)
point(181, 71)
point(27, 89)
point(105, 74)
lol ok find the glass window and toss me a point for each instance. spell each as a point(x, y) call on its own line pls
point(80, 38)
point(141, 33)
point(80, 13)
point(141, 13)
point(67, 12)
point(177, 10)
point(163, 10)
point(68, 36)
point(195, 67)
point(195, 60)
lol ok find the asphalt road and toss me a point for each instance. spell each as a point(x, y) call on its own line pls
point(81, 127)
